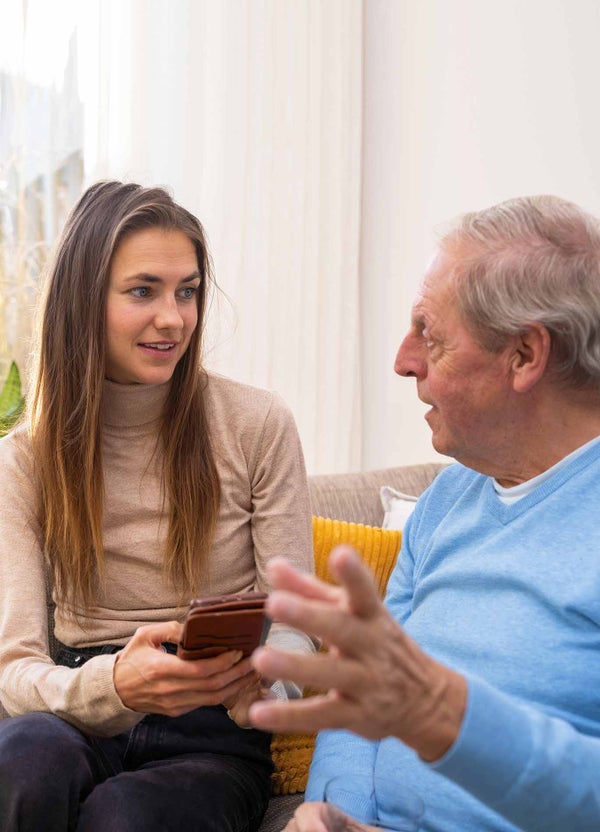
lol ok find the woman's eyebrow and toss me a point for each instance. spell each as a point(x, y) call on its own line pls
point(151, 278)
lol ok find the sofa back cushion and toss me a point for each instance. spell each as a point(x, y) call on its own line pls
point(355, 497)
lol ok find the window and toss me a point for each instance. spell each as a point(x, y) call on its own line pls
point(41, 164)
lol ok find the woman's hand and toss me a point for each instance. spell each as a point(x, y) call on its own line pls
point(323, 817)
point(149, 680)
point(254, 689)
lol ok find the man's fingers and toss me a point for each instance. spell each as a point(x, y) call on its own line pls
point(318, 817)
point(332, 623)
point(300, 716)
point(357, 579)
point(284, 576)
point(357, 591)
point(321, 672)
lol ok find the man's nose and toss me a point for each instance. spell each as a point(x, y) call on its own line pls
point(409, 361)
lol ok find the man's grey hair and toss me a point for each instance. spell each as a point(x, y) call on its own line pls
point(532, 259)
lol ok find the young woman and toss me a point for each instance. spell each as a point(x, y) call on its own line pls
point(138, 481)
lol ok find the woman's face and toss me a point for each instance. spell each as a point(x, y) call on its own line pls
point(151, 306)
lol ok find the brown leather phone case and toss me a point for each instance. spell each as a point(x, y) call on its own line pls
point(224, 622)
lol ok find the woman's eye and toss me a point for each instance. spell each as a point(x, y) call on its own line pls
point(140, 292)
point(188, 292)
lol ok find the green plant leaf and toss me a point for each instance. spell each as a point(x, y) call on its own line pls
point(11, 399)
point(10, 394)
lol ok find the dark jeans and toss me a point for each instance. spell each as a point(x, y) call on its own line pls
point(198, 773)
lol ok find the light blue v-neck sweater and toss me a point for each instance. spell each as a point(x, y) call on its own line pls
point(508, 595)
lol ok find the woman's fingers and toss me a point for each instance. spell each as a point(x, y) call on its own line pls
point(239, 704)
point(175, 704)
point(173, 695)
point(152, 681)
point(154, 635)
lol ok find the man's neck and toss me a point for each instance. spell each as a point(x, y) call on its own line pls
point(550, 430)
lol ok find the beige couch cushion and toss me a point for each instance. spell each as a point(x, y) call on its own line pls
point(355, 497)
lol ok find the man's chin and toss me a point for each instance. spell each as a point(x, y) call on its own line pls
point(440, 443)
point(433, 422)
point(437, 445)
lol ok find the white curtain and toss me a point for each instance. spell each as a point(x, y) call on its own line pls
point(251, 113)
point(41, 135)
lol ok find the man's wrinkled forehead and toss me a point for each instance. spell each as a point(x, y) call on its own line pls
point(436, 295)
point(437, 277)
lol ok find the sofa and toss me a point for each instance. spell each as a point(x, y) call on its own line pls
point(354, 498)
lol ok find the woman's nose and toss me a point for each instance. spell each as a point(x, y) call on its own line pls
point(168, 315)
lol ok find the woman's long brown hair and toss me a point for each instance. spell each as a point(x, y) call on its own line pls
point(65, 415)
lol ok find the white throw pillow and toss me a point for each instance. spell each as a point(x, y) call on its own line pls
point(397, 507)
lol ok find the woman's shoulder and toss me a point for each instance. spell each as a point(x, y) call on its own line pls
point(244, 416)
point(237, 397)
point(15, 451)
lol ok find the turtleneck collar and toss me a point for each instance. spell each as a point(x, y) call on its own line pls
point(133, 405)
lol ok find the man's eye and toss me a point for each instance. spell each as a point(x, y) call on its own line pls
point(140, 292)
point(427, 338)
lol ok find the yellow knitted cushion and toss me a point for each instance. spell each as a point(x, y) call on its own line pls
point(379, 549)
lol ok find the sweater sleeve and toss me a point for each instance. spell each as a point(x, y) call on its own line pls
point(29, 679)
point(535, 770)
point(281, 516)
point(399, 593)
point(358, 755)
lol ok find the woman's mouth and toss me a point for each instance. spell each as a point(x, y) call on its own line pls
point(158, 347)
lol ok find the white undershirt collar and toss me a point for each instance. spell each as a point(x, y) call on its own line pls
point(517, 492)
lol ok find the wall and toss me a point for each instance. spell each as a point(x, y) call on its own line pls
point(467, 103)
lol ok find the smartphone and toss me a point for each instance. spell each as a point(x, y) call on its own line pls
point(218, 623)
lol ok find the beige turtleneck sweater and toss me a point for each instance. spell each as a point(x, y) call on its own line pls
point(264, 512)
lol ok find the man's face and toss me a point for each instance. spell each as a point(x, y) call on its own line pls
point(469, 389)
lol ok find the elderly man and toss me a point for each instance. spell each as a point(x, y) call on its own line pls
point(478, 684)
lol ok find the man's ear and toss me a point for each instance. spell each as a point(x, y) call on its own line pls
point(531, 352)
